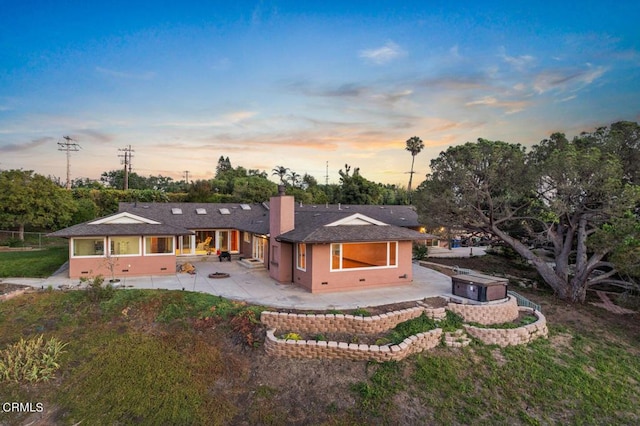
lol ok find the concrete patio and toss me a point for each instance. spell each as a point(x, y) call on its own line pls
point(255, 287)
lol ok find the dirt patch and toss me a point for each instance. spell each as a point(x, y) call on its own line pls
point(6, 288)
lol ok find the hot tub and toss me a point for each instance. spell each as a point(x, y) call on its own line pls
point(481, 288)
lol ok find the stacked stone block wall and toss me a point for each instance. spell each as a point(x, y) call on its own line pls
point(341, 323)
point(352, 351)
point(511, 336)
point(487, 314)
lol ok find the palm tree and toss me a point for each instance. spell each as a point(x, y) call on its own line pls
point(414, 145)
point(294, 178)
point(281, 172)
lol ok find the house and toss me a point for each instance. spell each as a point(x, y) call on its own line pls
point(321, 248)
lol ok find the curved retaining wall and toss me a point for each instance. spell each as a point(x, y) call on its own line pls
point(493, 313)
point(352, 351)
point(511, 336)
point(341, 323)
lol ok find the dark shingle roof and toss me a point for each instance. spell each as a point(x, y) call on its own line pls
point(310, 227)
point(88, 230)
point(255, 219)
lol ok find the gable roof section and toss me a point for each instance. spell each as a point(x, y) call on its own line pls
point(122, 219)
point(357, 219)
point(336, 226)
point(104, 226)
point(205, 215)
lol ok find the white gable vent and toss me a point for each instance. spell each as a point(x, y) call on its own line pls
point(224, 211)
point(201, 211)
point(176, 210)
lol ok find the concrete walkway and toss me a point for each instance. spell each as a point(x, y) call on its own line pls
point(457, 252)
point(255, 287)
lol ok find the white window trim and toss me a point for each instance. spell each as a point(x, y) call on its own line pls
point(366, 268)
point(144, 245)
point(94, 256)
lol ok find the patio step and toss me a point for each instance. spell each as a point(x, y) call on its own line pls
point(251, 263)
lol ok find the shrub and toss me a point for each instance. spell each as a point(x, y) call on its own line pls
point(96, 291)
point(420, 251)
point(360, 312)
point(451, 322)
point(411, 327)
point(31, 360)
point(292, 336)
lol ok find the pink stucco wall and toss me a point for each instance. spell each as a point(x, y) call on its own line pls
point(320, 279)
point(281, 220)
point(125, 266)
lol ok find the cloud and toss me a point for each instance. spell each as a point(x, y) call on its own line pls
point(383, 54)
point(567, 79)
point(520, 63)
point(510, 107)
point(126, 75)
point(228, 119)
point(17, 147)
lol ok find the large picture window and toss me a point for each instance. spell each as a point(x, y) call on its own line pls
point(348, 256)
point(158, 245)
point(88, 247)
point(123, 246)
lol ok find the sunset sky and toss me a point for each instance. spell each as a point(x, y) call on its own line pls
point(297, 83)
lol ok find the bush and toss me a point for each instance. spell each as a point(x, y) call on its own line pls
point(95, 289)
point(411, 327)
point(31, 360)
point(15, 242)
point(420, 251)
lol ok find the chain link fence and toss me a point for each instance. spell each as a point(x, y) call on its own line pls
point(31, 239)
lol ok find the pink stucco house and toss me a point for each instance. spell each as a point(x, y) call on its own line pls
point(322, 248)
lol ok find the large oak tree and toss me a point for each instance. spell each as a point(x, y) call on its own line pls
point(571, 194)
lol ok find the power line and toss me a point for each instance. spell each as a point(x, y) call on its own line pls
point(127, 163)
point(69, 145)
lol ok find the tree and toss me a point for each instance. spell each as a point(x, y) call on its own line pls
point(414, 146)
point(355, 189)
point(28, 199)
point(294, 178)
point(224, 165)
point(281, 172)
point(563, 192)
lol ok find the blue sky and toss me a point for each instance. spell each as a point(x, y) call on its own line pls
point(299, 84)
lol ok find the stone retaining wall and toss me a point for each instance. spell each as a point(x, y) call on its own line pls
point(487, 314)
point(351, 351)
point(341, 323)
point(511, 336)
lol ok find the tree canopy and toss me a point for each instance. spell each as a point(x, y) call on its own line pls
point(574, 195)
point(30, 199)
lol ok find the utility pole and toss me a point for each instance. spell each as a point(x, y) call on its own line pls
point(127, 163)
point(326, 175)
point(186, 177)
point(69, 145)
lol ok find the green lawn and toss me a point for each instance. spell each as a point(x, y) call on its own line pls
point(32, 263)
point(174, 357)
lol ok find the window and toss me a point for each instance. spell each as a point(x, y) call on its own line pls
point(364, 255)
point(158, 245)
point(301, 256)
point(123, 246)
point(247, 237)
point(88, 247)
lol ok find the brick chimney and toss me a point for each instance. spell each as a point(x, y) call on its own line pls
point(281, 220)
